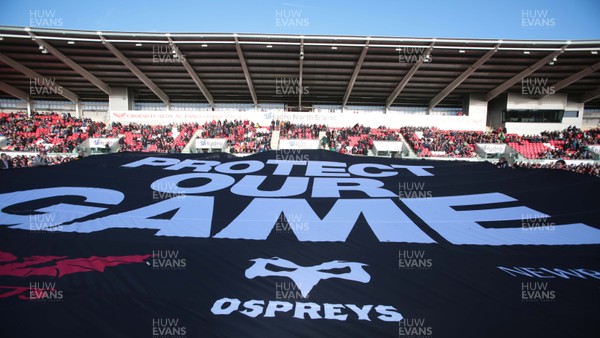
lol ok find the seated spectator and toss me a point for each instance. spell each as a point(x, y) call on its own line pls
point(502, 164)
point(584, 168)
point(560, 164)
point(41, 159)
point(5, 162)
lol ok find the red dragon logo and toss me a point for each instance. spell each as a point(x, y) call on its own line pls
point(54, 266)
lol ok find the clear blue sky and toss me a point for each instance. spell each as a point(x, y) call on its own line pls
point(508, 19)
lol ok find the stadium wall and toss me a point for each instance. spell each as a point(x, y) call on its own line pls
point(120, 98)
point(519, 102)
point(591, 119)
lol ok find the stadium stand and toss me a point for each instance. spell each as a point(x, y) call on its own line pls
point(571, 143)
point(62, 133)
point(24, 161)
point(298, 131)
point(153, 138)
point(429, 142)
point(243, 136)
point(587, 169)
point(54, 132)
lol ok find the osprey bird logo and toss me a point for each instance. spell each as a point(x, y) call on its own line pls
point(306, 277)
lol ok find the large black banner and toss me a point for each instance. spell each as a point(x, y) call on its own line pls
point(297, 244)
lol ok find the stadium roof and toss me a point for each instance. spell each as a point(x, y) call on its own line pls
point(264, 68)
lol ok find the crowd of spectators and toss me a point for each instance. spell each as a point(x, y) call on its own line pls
point(354, 140)
point(58, 133)
point(455, 143)
point(24, 161)
point(62, 133)
point(288, 130)
point(151, 138)
point(357, 140)
point(583, 168)
point(243, 136)
point(571, 144)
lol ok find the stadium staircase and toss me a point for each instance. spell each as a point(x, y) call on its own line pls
point(275, 140)
point(188, 147)
point(411, 152)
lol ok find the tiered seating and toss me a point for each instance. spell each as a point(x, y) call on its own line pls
point(355, 140)
point(147, 138)
point(62, 133)
point(586, 168)
point(22, 161)
point(288, 130)
point(385, 134)
point(571, 143)
point(562, 147)
point(455, 143)
point(528, 149)
point(53, 132)
point(243, 136)
point(186, 131)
